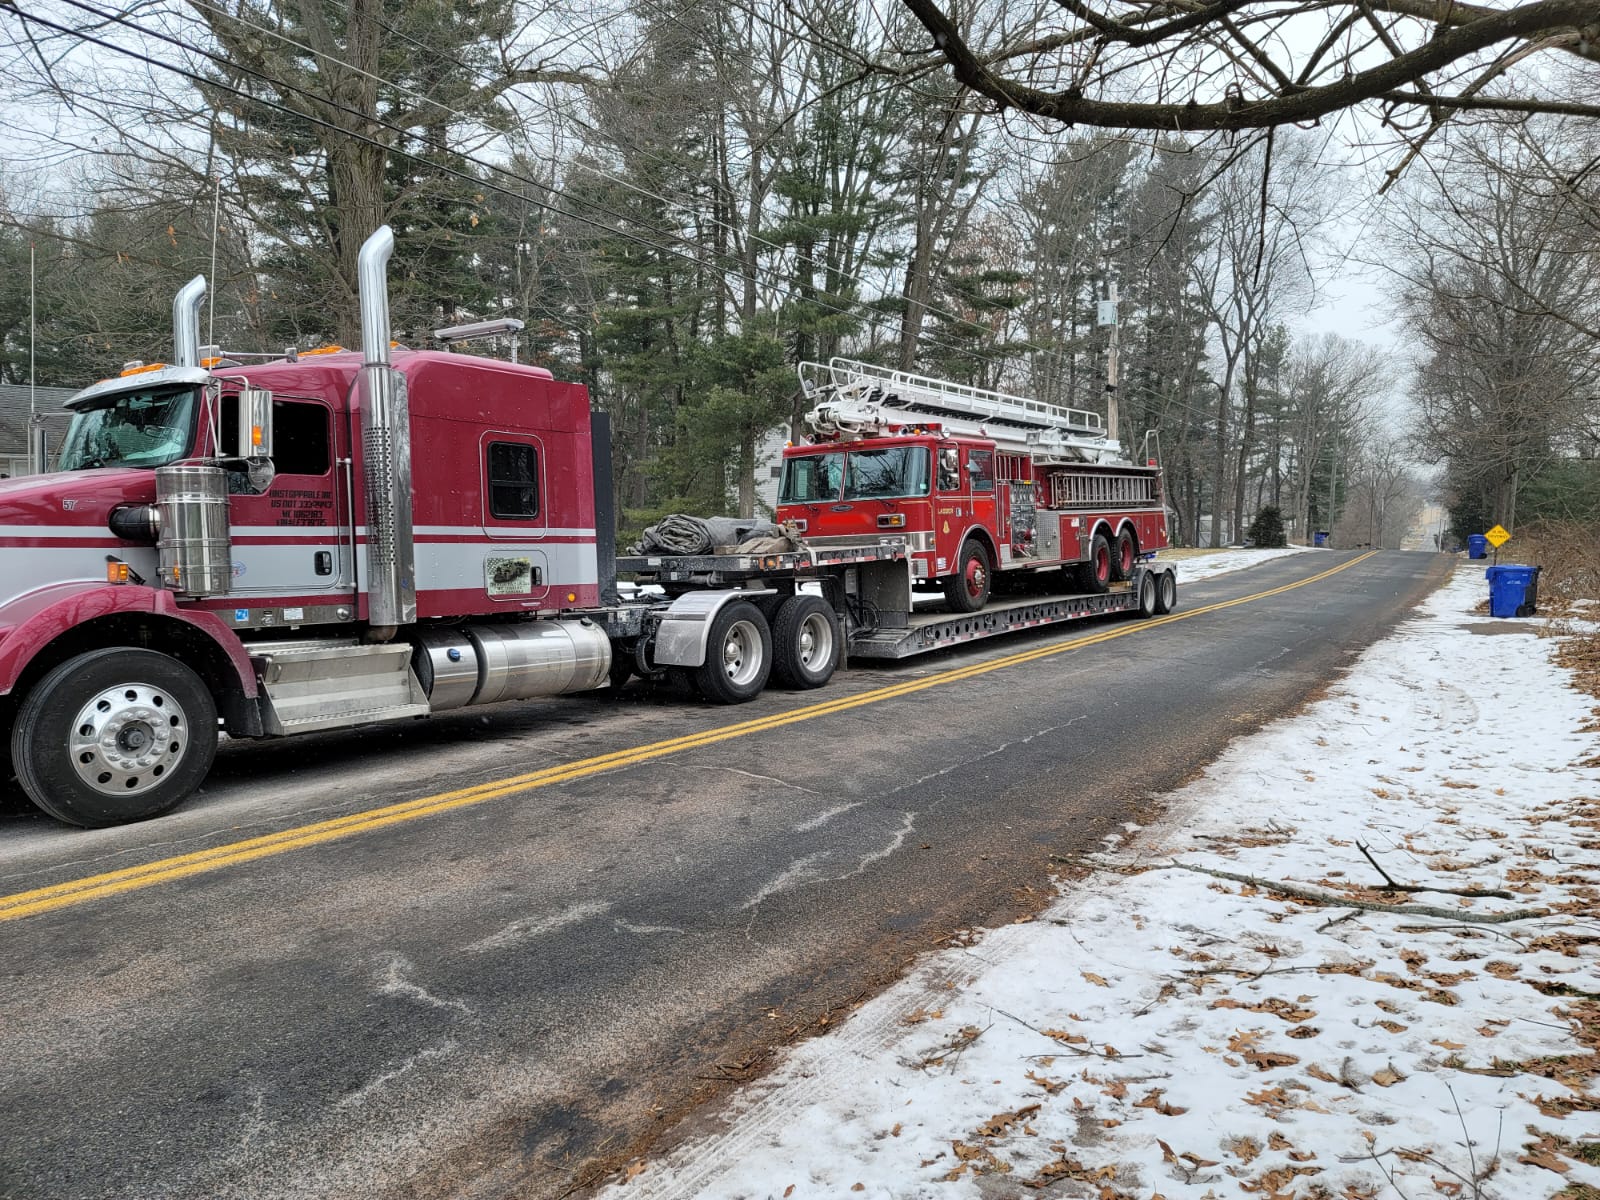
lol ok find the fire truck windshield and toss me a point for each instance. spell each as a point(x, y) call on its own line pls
point(135, 429)
point(810, 478)
point(886, 472)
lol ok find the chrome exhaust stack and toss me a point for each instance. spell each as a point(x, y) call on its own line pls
point(385, 451)
point(186, 322)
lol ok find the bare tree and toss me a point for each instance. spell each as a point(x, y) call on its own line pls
point(1496, 275)
point(1228, 65)
point(1255, 274)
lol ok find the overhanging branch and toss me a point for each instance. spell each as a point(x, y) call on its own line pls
point(1460, 31)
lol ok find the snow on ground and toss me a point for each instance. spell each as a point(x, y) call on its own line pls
point(1191, 570)
point(1161, 1032)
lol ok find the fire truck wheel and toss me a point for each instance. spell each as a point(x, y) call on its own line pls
point(1095, 575)
point(114, 735)
point(968, 589)
point(1147, 596)
point(1167, 592)
point(1124, 555)
point(738, 655)
point(805, 642)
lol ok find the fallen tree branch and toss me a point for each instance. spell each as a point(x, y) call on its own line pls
point(1422, 887)
point(1413, 910)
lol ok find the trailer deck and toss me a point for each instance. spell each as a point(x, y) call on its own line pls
point(923, 631)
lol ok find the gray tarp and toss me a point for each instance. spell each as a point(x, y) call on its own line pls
point(679, 533)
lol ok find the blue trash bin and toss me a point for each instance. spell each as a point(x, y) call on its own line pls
point(1477, 546)
point(1513, 590)
point(1319, 538)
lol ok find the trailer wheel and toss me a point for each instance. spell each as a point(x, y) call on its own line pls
point(1094, 576)
point(1167, 592)
point(1148, 598)
point(805, 642)
point(738, 655)
point(114, 735)
point(968, 589)
point(1124, 554)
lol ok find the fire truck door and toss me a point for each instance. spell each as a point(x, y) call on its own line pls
point(978, 471)
point(293, 540)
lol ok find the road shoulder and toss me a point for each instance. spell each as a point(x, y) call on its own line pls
point(1163, 1030)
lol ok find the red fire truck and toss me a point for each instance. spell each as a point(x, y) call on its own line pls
point(332, 538)
point(991, 492)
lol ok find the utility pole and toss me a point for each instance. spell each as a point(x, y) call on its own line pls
point(1108, 317)
point(38, 445)
point(1333, 482)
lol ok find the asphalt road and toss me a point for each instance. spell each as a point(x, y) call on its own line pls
point(513, 989)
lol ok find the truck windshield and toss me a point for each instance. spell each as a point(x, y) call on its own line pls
point(809, 478)
point(136, 429)
point(887, 471)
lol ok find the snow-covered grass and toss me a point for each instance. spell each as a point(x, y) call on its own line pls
point(1194, 565)
point(1162, 1032)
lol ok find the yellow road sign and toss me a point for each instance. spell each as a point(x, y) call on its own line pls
point(1498, 536)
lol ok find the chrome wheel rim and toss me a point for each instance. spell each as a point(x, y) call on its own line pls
point(128, 739)
point(741, 653)
point(816, 641)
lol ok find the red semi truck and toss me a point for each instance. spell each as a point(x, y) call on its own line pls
point(332, 538)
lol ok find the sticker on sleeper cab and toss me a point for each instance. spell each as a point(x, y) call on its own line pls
point(241, 614)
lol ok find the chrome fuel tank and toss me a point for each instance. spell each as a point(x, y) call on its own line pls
point(485, 664)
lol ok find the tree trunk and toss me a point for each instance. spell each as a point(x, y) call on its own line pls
point(747, 473)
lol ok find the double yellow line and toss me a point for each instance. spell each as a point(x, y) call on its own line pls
point(95, 887)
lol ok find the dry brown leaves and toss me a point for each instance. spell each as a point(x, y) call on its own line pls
point(1153, 1100)
point(1278, 1008)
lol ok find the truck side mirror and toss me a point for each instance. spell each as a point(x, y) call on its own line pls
point(255, 423)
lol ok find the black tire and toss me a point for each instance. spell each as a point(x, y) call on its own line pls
point(967, 589)
point(1124, 554)
point(621, 669)
point(1147, 595)
point(1094, 576)
point(84, 742)
point(1166, 592)
point(681, 682)
point(806, 638)
point(738, 655)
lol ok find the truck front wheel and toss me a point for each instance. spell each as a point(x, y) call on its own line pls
point(738, 655)
point(968, 589)
point(114, 735)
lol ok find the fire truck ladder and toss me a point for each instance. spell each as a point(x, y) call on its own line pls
point(852, 398)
